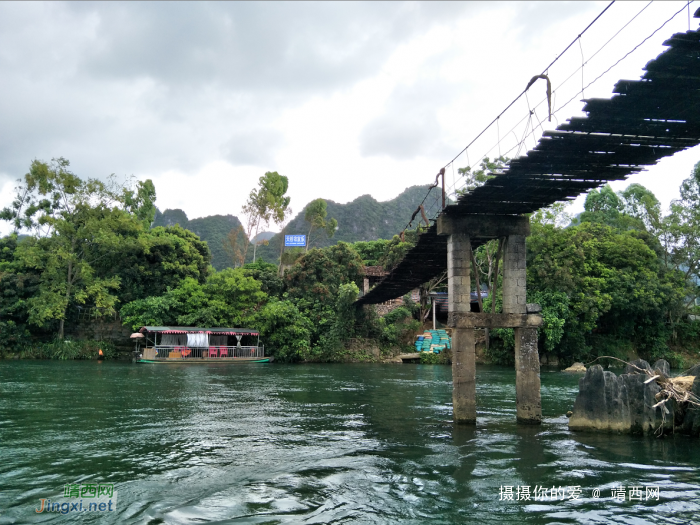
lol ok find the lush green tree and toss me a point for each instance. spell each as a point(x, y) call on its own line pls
point(603, 206)
point(266, 202)
point(314, 282)
point(641, 204)
point(268, 276)
point(395, 251)
point(155, 260)
point(285, 331)
point(140, 201)
point(76, 224)
point(343, 326)
point(371, 252)
point(617, 289)
point(159, 259)
point(680, 234)
point(290, 256)
point(315, 215)
point(17, 284)
point(227, 298)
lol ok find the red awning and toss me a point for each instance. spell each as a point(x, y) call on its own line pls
point(233, 333)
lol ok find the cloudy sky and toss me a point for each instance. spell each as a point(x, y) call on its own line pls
point(345, 99)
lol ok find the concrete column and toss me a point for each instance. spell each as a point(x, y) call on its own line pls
point(459, 287)
point(514, 277)
point(527, 361)
point(365, 286)
point(527, 377)
point(463, 340)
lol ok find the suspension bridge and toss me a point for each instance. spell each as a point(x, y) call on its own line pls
point(644, 121)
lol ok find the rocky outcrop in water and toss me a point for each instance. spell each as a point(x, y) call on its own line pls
point(625, 403)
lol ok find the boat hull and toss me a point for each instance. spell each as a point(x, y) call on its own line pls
point(216, 360)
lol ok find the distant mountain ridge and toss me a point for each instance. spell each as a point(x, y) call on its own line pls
point(212, 229)
point(363, 219)
point(263, 236)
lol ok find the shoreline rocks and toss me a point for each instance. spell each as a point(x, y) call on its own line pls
point(625, 403)
point(576, 367)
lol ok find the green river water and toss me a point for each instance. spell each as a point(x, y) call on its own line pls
point(351, 443)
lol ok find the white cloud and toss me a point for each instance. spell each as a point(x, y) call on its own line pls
point(344, 98)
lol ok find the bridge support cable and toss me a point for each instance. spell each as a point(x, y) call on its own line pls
point(495, 120)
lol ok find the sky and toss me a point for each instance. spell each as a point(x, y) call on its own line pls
point(343, 98)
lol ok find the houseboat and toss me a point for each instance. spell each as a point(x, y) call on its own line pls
point(189, 344)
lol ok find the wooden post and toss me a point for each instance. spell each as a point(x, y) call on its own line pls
point(442, 172)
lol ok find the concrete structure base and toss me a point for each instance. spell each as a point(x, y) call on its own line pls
point(464, 376)
point(517, 314)
point(527, 377)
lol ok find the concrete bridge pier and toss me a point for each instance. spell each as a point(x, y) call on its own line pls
point(459, 251)
point(527, 361)
point(517, 314)
point(527, 377)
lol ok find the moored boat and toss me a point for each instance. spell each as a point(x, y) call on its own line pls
point(191, 344)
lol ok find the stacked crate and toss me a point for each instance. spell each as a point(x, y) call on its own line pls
point(433, 341)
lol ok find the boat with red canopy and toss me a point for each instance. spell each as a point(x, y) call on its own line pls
point(192, 344)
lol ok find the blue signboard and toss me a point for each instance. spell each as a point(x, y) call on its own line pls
point(295, 240)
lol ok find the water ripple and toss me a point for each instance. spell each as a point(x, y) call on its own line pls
point(318, 444)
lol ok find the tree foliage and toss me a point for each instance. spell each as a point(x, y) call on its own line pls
point(286, 331)
point(76, 224)
point(227, 298)
point(488, 169)
point(315, 215)
point(266, 202)
point(314, 284)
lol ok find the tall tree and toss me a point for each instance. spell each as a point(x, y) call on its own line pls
point(141, 201)
point(680, 234)
point(315, 215)
point(266, 202)
point(284, 223)
point(76, 223)
point(235, 245)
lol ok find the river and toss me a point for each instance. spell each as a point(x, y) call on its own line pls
point(350, 443)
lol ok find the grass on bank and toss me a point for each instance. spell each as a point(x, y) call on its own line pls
point(67, 349)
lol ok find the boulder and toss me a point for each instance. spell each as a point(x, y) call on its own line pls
point(623, 404)
point(695, 371)
point(638, 366)
point(662, 366)
point(691, 417)
point(576, 367)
